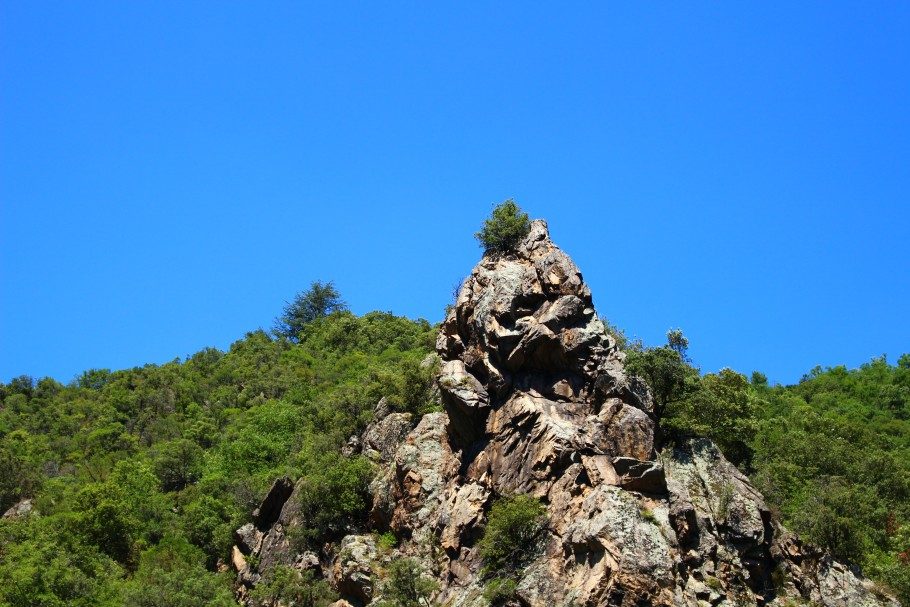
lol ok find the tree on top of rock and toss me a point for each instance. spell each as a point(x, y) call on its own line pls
point(321, 299)
point(504, 229)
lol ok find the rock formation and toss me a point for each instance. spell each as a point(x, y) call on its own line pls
point(536, 402)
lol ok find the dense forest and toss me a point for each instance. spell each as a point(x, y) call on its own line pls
point(137, 478)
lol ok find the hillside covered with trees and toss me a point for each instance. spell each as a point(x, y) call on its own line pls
point(137, 478)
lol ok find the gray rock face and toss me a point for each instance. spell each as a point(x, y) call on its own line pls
point(20, 509)
point(537, 402)
point(381, 438)
point(270, 509)
point(352, 572)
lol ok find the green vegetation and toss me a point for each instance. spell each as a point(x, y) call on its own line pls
point(321, 299)
point(513, 527)
point(387, 541)
point(667, 370)
point(499, 591)
point(407, 586)
point(140, 476)
point(831, 454)
point(504, 229)
point(285, 585)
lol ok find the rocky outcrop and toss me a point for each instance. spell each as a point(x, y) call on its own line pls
point(20, 509)
point(536, 401)
point(352, 573)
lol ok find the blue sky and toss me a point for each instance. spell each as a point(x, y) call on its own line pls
point(171, 173)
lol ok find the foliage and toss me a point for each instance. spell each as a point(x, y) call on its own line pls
point(320, 300)
point(141, 475)
point(334, 498)
point(666, 369)
point(173, 574)
point(832, 453)
point(407, 586)
point(504, 229)
point(499, 591)
point(387, 541)
point(177, 463)
point(285, 585)
point(41, 564)
point(721, 406)
point(513, 528)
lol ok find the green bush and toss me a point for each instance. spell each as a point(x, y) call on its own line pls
point(504, 229)
point(173, 574)
point(407, 586)
point(513, 528)
point(177, 463)
point(284, 585)
point(387, 541)
point(334, 498)
point(721, 406)
point(499, 591)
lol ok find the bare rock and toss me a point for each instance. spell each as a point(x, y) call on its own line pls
point(637, 475)
point(270, 508)
point(352, 573)
point(307, 561)
point(248, 538)
point(20, 509)
point(536, 401)
point(380, 440)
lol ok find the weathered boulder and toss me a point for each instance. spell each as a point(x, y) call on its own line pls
point(248, 538)
point(20, 509)
point(270, 508)
point(352, 573)
point(380, 440)
point(408, 493)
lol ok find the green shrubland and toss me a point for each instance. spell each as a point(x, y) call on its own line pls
point(140, 476)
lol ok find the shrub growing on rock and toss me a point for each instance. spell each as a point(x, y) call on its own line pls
point(504, 229)
point(286, 586)
point(513, 528)
point(406, 585)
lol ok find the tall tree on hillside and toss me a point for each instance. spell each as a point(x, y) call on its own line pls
point(321, 299)
point(666, 369)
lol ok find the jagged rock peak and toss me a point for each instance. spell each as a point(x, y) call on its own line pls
point(532, 293)
point(525, 323)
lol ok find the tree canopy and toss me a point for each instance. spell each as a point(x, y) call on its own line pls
point(321, 299)
point(504, 229)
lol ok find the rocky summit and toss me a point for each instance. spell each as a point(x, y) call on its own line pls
point(536, 402)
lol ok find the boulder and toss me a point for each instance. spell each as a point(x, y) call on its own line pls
point(248, 538)
point(381, 438)
point(352, 572)
point(20, 509)
point(270, 508)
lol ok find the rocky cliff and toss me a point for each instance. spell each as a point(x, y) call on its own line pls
point(536, 402)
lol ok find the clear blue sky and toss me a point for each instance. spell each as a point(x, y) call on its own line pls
point(171, 173)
